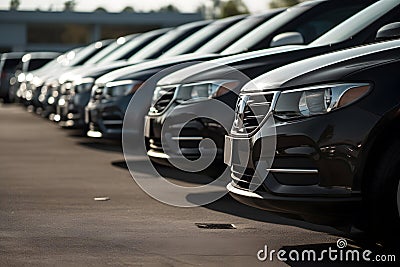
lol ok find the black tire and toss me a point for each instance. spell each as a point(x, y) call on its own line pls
point(7, 99)
point(381, 197)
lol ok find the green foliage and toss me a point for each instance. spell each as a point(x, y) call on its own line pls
point(14, 4)
point(232, 8)
point(169, 8)
point(100, 9)
point(128, 9)
point(70, 5)
point(283, 3)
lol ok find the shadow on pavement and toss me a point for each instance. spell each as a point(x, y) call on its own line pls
point(103, 146)
point(168, 172)
point(226, 204)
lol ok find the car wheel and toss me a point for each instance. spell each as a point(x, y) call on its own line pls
point(382, 196)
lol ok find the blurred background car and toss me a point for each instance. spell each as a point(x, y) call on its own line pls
point(153, 50)
point(49, 79)
point(8, 65)
point(29, 62)
point(73, 102)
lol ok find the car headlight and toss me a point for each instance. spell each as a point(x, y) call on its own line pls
point(121, 88)
point(21, 77)
point(204, 90)
point(83, 85)
point(65, 87)
point(316, 100)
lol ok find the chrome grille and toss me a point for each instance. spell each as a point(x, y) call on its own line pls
point(251, 109)
point(245, 178)
point(167, 96)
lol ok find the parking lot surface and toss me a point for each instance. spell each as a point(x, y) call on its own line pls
point(50, 176)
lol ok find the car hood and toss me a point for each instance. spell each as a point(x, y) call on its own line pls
point(153, 64)
point(203, 71)
point(326, 68)
point(93, 71)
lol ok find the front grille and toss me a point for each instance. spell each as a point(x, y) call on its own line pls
point(167, 96)
point(155, 144)
point(243, 177)
point(251, 109)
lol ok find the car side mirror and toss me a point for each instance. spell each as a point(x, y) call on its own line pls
point(389, 31)
point(287, 38)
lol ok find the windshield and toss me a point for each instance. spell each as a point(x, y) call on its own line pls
point(37, 63)
point(133, 46)
point(233, 33)
point(165, 42)
point(199, 38)
point(86, 53)
point(267, 28)
point(310, 19)
point(109, 49)
point(356, 23)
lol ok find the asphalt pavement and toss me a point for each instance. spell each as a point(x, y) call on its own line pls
point(48, 216)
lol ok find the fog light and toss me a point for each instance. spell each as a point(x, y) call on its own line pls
point(61, 102)
point(57, 118)
point(51, 100)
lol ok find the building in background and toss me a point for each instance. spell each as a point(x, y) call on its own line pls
point(59, 31)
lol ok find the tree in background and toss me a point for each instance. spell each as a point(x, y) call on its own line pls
point(215, 9)
point(128, 9)
point(232, 8)
point(169, 8)
point(14, 4)
point(69, 5)
point(101, 9)
point(283, 3)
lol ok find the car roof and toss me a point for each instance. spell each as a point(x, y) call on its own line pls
point(281, 76)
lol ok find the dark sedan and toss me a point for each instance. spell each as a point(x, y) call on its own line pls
point(321, 139)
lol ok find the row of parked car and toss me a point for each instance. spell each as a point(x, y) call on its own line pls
point(320, 76)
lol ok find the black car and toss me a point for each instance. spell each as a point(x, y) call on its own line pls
point(173, 100)
point(295, 18)
point(29, 62)
point(49, 81)
point(76, 85)
point(72, 109)
point(335, 156)
point(8, 65)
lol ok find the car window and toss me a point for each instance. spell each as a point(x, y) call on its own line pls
point(11, 64)
point(37, 63)
point(165, 42)
point(359, 21)
point(323, 22)
point(133, 46)
point(232, 34)
point(310, 20)
point(197, 39)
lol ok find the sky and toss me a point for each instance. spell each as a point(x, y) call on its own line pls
point(117, 5)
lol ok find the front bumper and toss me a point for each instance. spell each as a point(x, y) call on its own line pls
point(314, 166)
point(105, 119)
point(71, 110)
point(322, 210)
point(189, 139)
